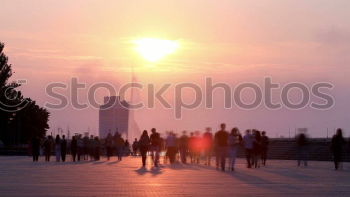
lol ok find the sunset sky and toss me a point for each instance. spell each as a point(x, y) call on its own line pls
point(232, 41)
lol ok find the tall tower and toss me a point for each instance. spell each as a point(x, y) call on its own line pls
point(113, 117)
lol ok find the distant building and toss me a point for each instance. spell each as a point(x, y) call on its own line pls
point(113, 117)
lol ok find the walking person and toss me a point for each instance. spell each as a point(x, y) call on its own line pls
point(171, 147)
point(144, 143)
point(248, 146)
point(234, 140)
point(302, 151)
point(135, 147)
point(109, 144)
point(86, 142)
point(48, 148)
point(58, 148)
point(264, 147)
point(207, 145)
point(63, 148)
point(183, 147)
point(337, 145)
point(191, 147)
point(80, 144)
point(74, 148)
point(35, 148)
point(256, 148)
point(221, 138)
point(155, 146)
point(119, 143)
point(97, 150)
point(126, 150)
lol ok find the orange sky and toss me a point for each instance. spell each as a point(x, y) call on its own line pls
point(231, 41)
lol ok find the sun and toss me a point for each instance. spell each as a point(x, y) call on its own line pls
point(154, 49)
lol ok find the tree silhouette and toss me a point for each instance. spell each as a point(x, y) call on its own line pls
point(20, 118)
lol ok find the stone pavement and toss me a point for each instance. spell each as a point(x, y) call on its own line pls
point(20, 177)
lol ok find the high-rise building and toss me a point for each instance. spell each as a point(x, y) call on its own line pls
point(113, 117)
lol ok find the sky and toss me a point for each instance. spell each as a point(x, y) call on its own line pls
point(230, 41)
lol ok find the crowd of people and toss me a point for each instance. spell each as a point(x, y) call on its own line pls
point(223, 145)
point(80, 148)
point(193, 148)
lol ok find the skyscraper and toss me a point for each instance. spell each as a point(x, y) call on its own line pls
point(114, 117)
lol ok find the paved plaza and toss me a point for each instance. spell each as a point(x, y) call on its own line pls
point(20, 177)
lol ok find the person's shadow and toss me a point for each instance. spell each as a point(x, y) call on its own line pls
point(154, 171)
point(113, 162)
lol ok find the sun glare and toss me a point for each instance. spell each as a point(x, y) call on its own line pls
point(153, 49)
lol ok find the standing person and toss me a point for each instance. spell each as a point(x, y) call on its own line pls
point(264, 147)
point(74, 148)
point(256, 148)
point(126, 148)
point(338, 142)
point(207, 145)
point(302, 143)
point(86, 142)
point(80, 144)
point(191, 147)
point(119, 143)
point(48, 148)
point(197, 149)
point(135, 147)
point(221, 138)
point(97, 150)
point(171, 147)
point(155, 146)
point(35, 148)
point(234, 140)
point(92, 148)
point(58, 148)
point(183, 147)
point(248, 146)
point(109, 144)
point(63, 148)
point(143, 144)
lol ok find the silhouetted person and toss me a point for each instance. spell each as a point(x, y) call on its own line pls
point(86, 142)
point(155, 146)
point(97, 150)
point(264, 147)
point(126, 148)
point(109, 144)
point(48, 148)
point(119, 143)
point(63, 148)
point(256, 148)
point(338, 142)
point(80, 144)
point(144, 143)
point(58, 148)
point(171, 147)
point(248, 146)
point(207, 145)
point(221, 138)
point(183, 147)
point(35, 148)
point(74, 148)
point(135, 147)
point(92, 147)
point(234, 140)
point(302, 151)
point(191, 147)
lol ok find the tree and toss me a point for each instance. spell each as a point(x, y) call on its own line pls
point(20, 118)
